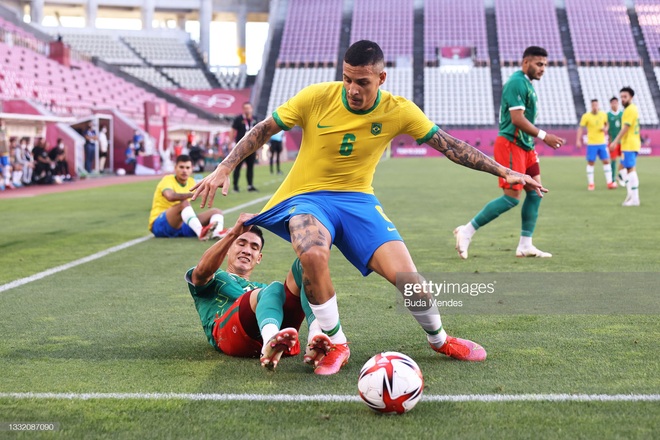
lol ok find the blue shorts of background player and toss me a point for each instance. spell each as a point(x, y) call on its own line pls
point(629, 159)
point(356, 222)
point(4, 161)
point(161, 228)
point(599, 151)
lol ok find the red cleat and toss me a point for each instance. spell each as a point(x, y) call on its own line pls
point(207, 231)
point(462, 349)
point(283, 341)
point(326, 358)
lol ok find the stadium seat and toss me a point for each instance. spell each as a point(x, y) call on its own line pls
point(289, 81)
point(604, 82)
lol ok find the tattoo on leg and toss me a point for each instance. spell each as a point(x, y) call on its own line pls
point(306, 233)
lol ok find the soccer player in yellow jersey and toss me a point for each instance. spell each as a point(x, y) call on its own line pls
point(327, 198)
point(171, 214)
point(596, 124)
point(630, 142)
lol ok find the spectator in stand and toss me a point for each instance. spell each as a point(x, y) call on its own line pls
point(103, 147)
point(275, 150)
point(137, 137)
point(17, 165)
point(90, 146)
point(242, 124)
point(5, 164)
point(59, 163)
point(178, 149)
point(191, 139)
point(139, 149)
point(43, 173)
point(23, 157)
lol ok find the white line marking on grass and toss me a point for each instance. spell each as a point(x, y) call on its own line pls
point(101, 254)
point(487, 398)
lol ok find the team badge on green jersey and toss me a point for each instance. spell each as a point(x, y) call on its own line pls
point(376, 128)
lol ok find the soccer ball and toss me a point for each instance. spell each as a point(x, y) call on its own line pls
point(390, 383)
point(121, 172)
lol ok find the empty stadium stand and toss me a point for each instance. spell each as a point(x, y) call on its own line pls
point(604, 82)
point(648, 12)
point(389, 22)
point(161, 50)
point(150, 75)
point(105, 46)
point(311, 32)
point(455, 97)
point(598, 24)
point(187, 78)
point(399, 81)
point(522, 23)
point(450, 23)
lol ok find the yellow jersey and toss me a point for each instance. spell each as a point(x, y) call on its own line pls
point(631, 140)
point(340, 146)
point(595, 123)
point(160, 203)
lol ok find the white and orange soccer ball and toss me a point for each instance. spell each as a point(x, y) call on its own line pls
point(391, 383)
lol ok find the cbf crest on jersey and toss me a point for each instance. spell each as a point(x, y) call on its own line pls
point(376, 128)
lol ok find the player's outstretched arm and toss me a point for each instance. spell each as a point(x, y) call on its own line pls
point(219, 178)
point(215, 255)
point(465, 154)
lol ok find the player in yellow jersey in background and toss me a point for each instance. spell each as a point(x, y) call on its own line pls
point(630, 142)
point(596, 124)
point(328, 197)
point(171, 214)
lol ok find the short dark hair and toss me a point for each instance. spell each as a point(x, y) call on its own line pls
point(256, 230)
point(183, 158)
point(364, 53)
point(627, 89)
point(594, 100)
point(535, 51)
point(614, 98)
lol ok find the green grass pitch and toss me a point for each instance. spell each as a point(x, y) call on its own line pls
point(125, 323)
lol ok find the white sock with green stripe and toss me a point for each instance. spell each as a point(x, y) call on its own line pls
point(607, 169)
point(590, 174)
point(633, 185)
point(190, 218)
point(430, 321)
point(327, 315)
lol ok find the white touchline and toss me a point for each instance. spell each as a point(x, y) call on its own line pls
point(487, 398)
point(101, 254)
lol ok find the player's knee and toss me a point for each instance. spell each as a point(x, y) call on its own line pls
point(275, 288)
point(314, 257)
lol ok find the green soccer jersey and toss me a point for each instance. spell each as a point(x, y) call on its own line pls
point(518, 94)
point(217, 296)
point(614, 122)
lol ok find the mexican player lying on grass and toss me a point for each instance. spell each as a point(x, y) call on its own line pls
point(241, 317)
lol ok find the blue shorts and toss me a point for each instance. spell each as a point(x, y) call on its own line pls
point(356, 222)
point(629, 159)
point(4, 160)
point(161, 228)
point(597, 150)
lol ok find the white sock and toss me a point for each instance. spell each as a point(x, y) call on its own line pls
point(633, 185)
point(7, 175)
point(219, 220)
point(190, 218)
point(313, 329)
point(327, 315)
point(268, 331)
point(590, 174)
point(525, 242)
point(608, 173)
point(17, 175)
point(430, 321)
point(623, 175)
point(469, 230)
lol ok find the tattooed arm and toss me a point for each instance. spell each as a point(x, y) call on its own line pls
point(464, 154)
point(219, 178)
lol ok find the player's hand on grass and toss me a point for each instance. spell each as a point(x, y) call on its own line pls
point(206, 189)
point(553, 141)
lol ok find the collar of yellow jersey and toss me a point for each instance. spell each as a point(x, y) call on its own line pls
point(344, 99)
